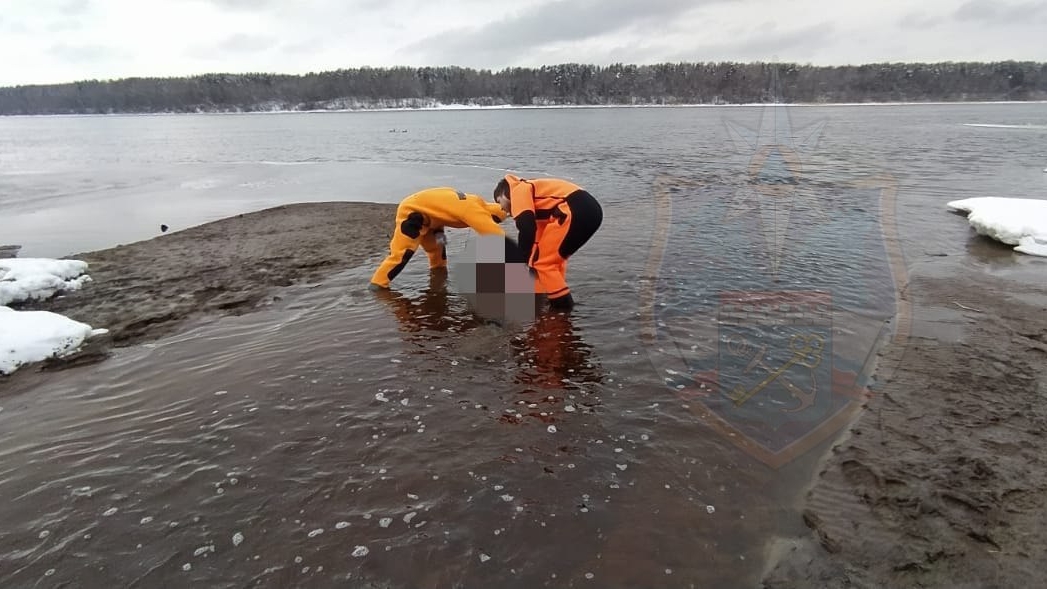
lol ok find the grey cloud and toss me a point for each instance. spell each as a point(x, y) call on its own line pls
point(305, 6)
point(238, 43)
point(243, 4)
point(989, 11)
point(83, 53)
point(241, 43)
point(561, 20)
point(371, 5)
point(309, 46)
point(788, 45)
point(76, 7)
point(918, 20)
point(64, 25)
point(14, 28)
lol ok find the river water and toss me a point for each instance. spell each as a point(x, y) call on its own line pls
point(752, 260)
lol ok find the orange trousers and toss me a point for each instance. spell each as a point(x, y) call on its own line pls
point(558, 237)
point(547, 261)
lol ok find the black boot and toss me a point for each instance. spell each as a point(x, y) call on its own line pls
point(564, 303)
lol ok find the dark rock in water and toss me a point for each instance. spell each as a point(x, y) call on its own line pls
point(163, 228)
point(9, 251)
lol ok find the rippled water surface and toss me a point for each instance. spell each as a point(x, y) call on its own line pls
point(343, 438)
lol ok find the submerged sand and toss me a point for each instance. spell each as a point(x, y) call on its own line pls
point(942, 482)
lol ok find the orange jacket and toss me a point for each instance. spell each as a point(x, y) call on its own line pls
point(533, 201)
point(538, 194)
point(447, 207)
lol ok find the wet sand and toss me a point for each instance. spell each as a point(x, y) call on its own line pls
point(143, 291)
point(941, 482)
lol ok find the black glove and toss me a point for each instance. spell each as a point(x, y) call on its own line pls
point(514, 254)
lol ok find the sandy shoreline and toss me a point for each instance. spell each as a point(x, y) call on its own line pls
point(941, 482)
point(149, 289)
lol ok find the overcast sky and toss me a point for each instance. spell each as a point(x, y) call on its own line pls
point(51, 41)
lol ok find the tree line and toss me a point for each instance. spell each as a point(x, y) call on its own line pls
point(563, 84)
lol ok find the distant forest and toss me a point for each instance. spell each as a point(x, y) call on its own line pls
point(564, 84)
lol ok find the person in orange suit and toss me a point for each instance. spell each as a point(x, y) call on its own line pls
point(420, 221)
point(554, 218)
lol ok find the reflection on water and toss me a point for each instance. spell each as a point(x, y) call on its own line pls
point(429, 314)
point(554, 355)
point(548, 352)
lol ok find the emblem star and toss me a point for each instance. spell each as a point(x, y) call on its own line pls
point(773, 173)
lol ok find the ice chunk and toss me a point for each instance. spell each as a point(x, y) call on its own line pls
point(1020, 222)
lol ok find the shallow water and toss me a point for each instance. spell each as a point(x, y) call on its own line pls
point(264, 450)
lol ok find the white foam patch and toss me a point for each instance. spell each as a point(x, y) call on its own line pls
point(1021, 222)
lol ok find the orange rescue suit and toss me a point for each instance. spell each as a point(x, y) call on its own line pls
point(544, 216)
point(423, 215)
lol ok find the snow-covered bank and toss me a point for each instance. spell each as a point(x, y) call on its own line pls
point(34, 336)
point(27, 279)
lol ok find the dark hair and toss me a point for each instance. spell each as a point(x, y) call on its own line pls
point(502, 188)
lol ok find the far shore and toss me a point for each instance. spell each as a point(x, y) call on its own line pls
point(465, 107)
